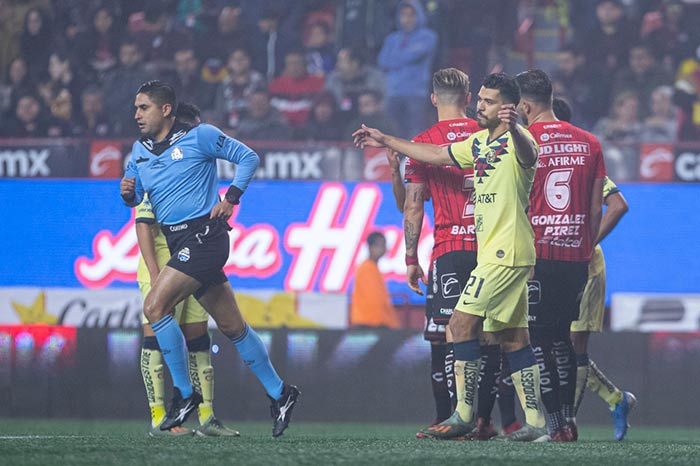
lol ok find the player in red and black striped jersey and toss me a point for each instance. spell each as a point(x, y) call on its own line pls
point(565, 212)
point(454, 250)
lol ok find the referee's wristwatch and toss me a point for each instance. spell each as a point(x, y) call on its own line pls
point(233, 195)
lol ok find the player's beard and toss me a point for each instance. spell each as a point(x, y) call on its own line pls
point(486, 123)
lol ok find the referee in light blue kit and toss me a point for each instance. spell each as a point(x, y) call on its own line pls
point(176, 165)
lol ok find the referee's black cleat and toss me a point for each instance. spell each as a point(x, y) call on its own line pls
point(281, 409)
point(180, 409)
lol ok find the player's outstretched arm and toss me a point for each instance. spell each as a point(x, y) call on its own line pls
point(617, 207)
point(596, 206)
point(412, 225)
point(147, 246)
point(428, 153)
point(397, 186)
point(525, 147)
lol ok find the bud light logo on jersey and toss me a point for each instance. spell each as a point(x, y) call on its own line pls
point(183, 255)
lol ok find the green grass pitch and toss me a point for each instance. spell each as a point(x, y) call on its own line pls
point(105, 443)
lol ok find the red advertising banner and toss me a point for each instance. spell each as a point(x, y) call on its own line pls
point(106, 159)
point(656, 162)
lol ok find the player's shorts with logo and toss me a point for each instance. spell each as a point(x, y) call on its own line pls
point(188, 311)
point(200, 249)
point(593, 302)
point(446, 280)
point(555, 293)
point(497, 293)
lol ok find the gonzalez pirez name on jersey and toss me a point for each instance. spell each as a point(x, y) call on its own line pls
point(569, 159)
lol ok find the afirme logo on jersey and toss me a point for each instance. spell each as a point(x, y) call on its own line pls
point(687, 166)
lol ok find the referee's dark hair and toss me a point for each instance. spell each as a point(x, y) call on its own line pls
point(505, 84)
point(159, 92)
point(535, 86)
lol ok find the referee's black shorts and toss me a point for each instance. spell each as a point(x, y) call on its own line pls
point(554, 293)
point(200, 249)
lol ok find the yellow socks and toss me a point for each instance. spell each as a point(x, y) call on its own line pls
point(202, 375)
point(152, 373)
point(527, 385)
point(600, 384)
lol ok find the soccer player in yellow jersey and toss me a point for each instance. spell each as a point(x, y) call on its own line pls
point(503, 156)
point(189, 314)
point(593, 307)
point(193, 320)
point(591, 320)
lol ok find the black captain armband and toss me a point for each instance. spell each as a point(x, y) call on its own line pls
point(233, 195)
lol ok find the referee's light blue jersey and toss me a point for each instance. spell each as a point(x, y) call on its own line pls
point(179, 173)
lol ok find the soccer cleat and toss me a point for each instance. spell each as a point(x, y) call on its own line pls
point(281, 409)
point(174, 432)
point(180, 409)
point(452, 428)
point(212, 427)
point(482, 431)
point(563, 435)
point(512, 427)
point(421, 433)
point(573, 430)
point(527, 433)
point(620, 413)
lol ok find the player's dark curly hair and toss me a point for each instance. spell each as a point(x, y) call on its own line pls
point(506, 85)
point(536, 86)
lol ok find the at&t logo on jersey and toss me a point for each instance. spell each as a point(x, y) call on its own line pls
point(183, 255)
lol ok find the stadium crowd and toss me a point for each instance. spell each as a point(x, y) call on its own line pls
point(313, 69)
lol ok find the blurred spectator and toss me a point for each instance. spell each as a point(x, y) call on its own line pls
point(586, 90)
point(350, 77)
point(36, 42)
point(160, 36)
point(294, 90)
point(61, 76)
point(371, 112)
point(407, 57)
point(27, 120)
point(325, 121)
point(320, 51)
point(364, 24)
point(608, 44)
point(271, 45)
point(623, 125)
point(687, 97)
point(92, 121)
point(60, 121)
point(620, 134)
point(98, 47)
point(18, 83)
point(371, 303)
point(9, 36)
point(188, 82)
point(662, 124)
point(641, 76)
point(233, 94)
point(672, 31)
point(120, 84)
point(213, 47)
point(261, 121)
